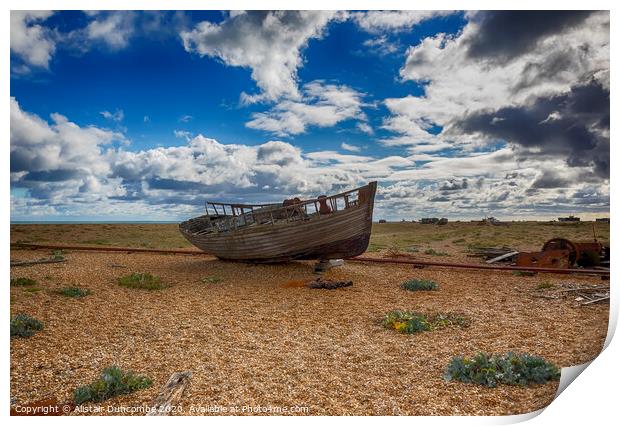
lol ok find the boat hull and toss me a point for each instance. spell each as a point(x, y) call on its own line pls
point(341, 234)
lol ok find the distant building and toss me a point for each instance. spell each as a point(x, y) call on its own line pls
point(382, 221)
point(570, 218)
point(491, 220)
point(442, 221)
point(429, 220)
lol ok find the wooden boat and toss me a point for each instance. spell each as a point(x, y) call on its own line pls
point(327, 227)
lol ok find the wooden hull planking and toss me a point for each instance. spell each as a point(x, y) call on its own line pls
point(341, 234)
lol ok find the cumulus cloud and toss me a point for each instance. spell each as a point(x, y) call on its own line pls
point(377, 21)
point(476, 77)
point(30, 40)
point(35, 41)
point(269, 43)
point(63, 164)
point(67, 168)
point(113, 28)
point(573, 125)
point(502, 35)
point(321, 104)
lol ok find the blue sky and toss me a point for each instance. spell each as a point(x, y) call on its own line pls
point(143, 115)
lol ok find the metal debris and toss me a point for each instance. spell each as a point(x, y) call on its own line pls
point(585, 295)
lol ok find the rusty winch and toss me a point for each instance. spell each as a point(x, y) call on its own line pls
point(563, 253)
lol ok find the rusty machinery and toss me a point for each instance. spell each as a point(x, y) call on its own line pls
point(563, 253)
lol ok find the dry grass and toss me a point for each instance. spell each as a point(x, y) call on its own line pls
point(255, 338)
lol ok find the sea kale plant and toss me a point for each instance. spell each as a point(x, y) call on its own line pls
point(508, 369)
point(413, 322)
point(73, 291)
point(414, 285)
point(22, 282)
point(25, 326)
point(113, 382)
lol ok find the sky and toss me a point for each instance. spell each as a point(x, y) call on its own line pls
point(126, 115)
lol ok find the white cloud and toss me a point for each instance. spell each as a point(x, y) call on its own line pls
point(114, 29)
point(350, 147)
point(29, 40)
point(395, 20)
point(186, 118)
point(69, 169)
point(456, 84)
point(321, 104)
point(269, 43)
point(365, 128)
point(182, 134)
point(117, 115)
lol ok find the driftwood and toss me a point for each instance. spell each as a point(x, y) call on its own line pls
point(489, 252)
point(583, 295)
point(503, 257)
point(596, 300)
point(170, 394)
point(36, 262)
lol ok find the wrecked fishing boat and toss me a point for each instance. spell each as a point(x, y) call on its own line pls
point(327, 227)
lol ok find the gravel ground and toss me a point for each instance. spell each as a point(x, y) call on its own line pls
point(253, 339)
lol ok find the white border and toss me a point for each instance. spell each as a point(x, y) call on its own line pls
point(592, 398)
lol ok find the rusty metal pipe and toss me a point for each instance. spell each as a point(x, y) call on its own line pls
point(353, 259)
point(475, 266)
point(94, 248)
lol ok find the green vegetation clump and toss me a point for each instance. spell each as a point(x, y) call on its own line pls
point(22, 282)
point(213, 279)
point(58, 254)
point(413, 322)
point(73, 291)
point(23, 325)
point(144, 281)
point(544, 285)
point(508, 369)
point(414, 285)
point(113, 382)
point(524, 273)
point(434, 252)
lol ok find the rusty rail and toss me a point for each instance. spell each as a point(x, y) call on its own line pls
point(354, 259)
point(475, 266)
point(95, 248)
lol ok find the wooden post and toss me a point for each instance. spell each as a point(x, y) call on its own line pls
point(170, 395)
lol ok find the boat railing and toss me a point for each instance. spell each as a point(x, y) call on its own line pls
point(223, 217)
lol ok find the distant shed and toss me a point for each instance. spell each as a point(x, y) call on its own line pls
point(570, 218)
point(429, 220)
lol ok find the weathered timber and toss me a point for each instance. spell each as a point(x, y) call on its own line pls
point(36, 262)
point(171, 394)
point(279, 234)
point(503, 257)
